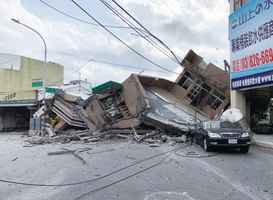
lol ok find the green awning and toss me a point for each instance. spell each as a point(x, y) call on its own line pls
point(110, 85)
point(52, 90)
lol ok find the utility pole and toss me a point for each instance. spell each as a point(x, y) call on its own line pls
point(44, 76)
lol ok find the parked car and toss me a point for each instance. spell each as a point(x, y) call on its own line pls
point(222, 134)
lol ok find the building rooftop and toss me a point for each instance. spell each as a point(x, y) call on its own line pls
point(210, 72)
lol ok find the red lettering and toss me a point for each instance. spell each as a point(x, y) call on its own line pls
point(271, 55)
point(266, 56)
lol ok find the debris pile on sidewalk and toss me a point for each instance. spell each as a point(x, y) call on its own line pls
point(143, 108)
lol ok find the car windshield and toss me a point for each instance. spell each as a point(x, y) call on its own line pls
point(219, 124)
point(235, 125)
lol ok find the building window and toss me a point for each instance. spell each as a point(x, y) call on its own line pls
point(195, 90)
point(186, 80)
point(215, 100)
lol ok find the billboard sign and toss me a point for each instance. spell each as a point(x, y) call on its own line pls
point(251, 45)
point(37, 83)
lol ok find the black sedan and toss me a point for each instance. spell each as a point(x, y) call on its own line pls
point(222, 134)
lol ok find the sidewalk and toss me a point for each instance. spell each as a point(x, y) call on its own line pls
point(265, 141)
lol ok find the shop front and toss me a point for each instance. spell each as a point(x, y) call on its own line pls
point(251, 52)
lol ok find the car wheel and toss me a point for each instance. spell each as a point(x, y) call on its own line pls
point(244, 149)
point(205, 145)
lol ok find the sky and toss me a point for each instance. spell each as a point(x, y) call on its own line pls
point(201, 25)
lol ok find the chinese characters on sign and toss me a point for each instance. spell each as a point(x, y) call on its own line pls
point(10, 96)
point(251, 43)
point(257, 8)
point(245, 40)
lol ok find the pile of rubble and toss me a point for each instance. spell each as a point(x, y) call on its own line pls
point(146, 109)
point(144, 113)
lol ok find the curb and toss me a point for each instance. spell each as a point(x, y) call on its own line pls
point(268, 145)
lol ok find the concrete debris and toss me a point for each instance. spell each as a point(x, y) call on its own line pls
point(49, 130)
point(64, 106)
point(14, 159)
point(143, 108)
point(154, 145)
point(75, 153)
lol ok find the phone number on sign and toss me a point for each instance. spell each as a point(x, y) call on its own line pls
point(247, 62)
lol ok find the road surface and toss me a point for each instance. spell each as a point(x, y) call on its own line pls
point(187, 173)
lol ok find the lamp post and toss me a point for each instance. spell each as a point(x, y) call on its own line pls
point(44, 78)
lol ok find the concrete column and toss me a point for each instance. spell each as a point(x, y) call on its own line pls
point(248, 112)
point(238, 100)
point(1, 120)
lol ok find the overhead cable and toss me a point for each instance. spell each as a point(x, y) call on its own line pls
point(118, 65)
point(90, 180)
point(123, 42)
point(119, 180)
point(79, 19)
point(139, 33)
point(149, 32)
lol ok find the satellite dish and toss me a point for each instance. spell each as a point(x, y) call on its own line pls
point(232, 115)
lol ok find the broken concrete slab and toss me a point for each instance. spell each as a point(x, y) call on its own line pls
point(67, 111)
point(160, 106)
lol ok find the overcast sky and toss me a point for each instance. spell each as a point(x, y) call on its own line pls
point(201, 25)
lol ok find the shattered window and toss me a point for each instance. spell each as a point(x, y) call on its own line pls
point(215, 100)
point(227, 124)
point(186, 80)
point(195, 90)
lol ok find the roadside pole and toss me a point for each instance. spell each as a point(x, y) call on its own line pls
point(44, 75)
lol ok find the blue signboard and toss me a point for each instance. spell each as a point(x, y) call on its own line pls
point(251, 43)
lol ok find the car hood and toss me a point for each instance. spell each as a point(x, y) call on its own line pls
point(226, 130)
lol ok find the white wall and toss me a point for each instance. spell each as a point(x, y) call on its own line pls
point(238, 100)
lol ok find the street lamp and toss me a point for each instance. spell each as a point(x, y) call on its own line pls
point(44, 78)
point(35, 31)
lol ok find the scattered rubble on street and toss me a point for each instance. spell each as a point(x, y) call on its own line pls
point(144, 109)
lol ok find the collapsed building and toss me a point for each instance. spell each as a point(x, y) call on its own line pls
point(201, 92)
point(206, 86)
point(145, 104)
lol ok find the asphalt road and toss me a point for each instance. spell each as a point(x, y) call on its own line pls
point(188, 173)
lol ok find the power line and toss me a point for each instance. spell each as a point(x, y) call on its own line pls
point(119, 180)
point(116, 64)
point(139, 33)
point(79, 19)
point(94, 179)
point(130, 24)
point(124, 43)
point(142, 26)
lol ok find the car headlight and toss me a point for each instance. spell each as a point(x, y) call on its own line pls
point(245, 134)
point(213, 135)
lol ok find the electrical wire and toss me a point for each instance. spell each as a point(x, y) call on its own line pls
point(79, 19)
point(149, 32)
point(91, 180)
point(145, 37)
point(139, 33)
point(119, 180)
point(120, 40)
point(116, 64)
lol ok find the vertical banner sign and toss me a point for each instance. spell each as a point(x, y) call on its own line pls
point(251, 42)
